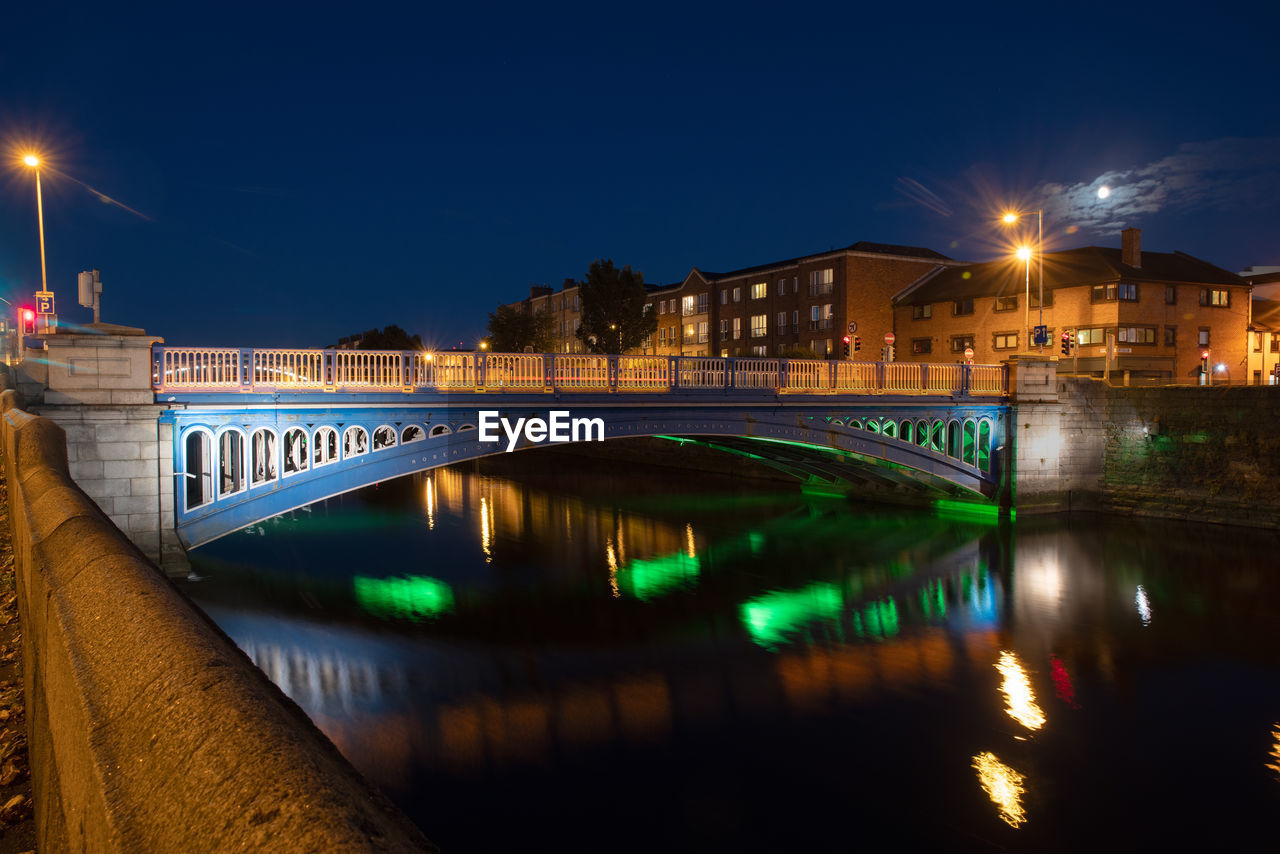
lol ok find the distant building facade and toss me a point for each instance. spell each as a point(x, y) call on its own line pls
point(1158, 311)
point(805, 303)
point(1264, 325)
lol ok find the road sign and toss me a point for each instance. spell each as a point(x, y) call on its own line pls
point(853, 327)
point(968, 354)
point(44, 302)
point(888, 338)
point(1041, 336)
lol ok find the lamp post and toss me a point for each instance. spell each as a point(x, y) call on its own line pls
point(33, 162)
point(1024, 255)
point(1009, 219)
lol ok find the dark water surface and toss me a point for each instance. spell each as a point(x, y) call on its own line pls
point(641, 659)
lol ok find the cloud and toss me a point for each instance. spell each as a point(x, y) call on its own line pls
point(1218, 174)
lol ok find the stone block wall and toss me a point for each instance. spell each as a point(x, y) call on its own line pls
point(1203, 454)
point(122, 457)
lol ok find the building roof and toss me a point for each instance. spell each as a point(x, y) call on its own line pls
point(1085, 266)
point(864, 246)
point(1266, 315)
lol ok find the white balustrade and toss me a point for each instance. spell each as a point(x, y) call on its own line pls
point(369, 369)
point(200, 367)
point(902, 377)
point(644, 373)
point(289, 369)
point(445, 370)
point(513, 370)
point(808, 375)
point(755, 373)
point(213, 368)
point(986, 379)
point(701, 373)
point(856, 377)
point(582, 372)
point(945, 379)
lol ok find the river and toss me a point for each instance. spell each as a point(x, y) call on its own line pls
point(585, 658)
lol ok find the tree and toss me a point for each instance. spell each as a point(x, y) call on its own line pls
point(614, 317)
point(511, 330)
point(390, 338)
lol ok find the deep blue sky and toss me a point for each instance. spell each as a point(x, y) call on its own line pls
point(315, 172)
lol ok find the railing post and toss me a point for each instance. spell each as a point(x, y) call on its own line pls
point(328, 370)
point(549, 372)
point(246, 369)
point(966, 373)
point(784, 375)
point(614, 363)
point(480, 366)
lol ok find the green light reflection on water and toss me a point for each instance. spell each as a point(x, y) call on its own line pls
point(416, 597)
point(647, 579)
point(769, 618)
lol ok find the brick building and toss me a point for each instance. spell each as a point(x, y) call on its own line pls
point(802, 303)
point(806, 302)
point(1159, 311)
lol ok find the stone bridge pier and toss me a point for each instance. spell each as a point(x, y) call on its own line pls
point(97, 387)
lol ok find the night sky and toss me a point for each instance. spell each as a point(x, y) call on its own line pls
point(246, 176)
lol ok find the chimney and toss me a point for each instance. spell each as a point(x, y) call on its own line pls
point(1131, 247)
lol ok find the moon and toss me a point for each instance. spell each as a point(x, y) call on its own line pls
point(1103, 192)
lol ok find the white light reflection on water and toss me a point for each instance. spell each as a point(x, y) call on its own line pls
point(1018, 694)
point(1144, 606)
point(1003, 785)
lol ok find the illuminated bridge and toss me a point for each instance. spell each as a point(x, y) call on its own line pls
point(258, 432)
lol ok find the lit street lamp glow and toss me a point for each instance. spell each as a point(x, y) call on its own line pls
point(33, 161)
point(1010, 218)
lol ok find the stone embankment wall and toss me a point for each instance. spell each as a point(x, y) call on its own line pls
point(148, 729)
point(1204, 454)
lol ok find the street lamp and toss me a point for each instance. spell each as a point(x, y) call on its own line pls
point(33, 162)
point(1009, 219)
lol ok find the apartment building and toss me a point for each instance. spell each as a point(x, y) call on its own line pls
point(807, 303)
point(1159, 312)
point(1264, 325)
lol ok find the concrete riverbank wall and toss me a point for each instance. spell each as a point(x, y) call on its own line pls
point(1201, 454)
point(148, 729)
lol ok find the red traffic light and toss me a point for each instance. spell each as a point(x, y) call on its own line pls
point(28, 315)
point(846, 339)
point(1205, 355)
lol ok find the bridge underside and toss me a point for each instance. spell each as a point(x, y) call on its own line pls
point(238, 466)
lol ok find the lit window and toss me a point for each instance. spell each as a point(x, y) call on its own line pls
point(689, 306)
point(759, 290)
point(820, 281)
point(702, 332)
point(759, 325)
point(1005, 341)
point(737, 294)
point(737, 328)
point(1215, 297)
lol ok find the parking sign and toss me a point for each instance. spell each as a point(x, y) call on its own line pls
point(44, 302)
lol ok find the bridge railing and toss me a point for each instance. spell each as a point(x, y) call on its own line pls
point(229, 369)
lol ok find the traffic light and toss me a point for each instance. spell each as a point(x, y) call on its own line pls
point(846, 346)
point(857, 343)
point(1066, 343)
point(888, 353)
point(28, 315)
point(1204, 362)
